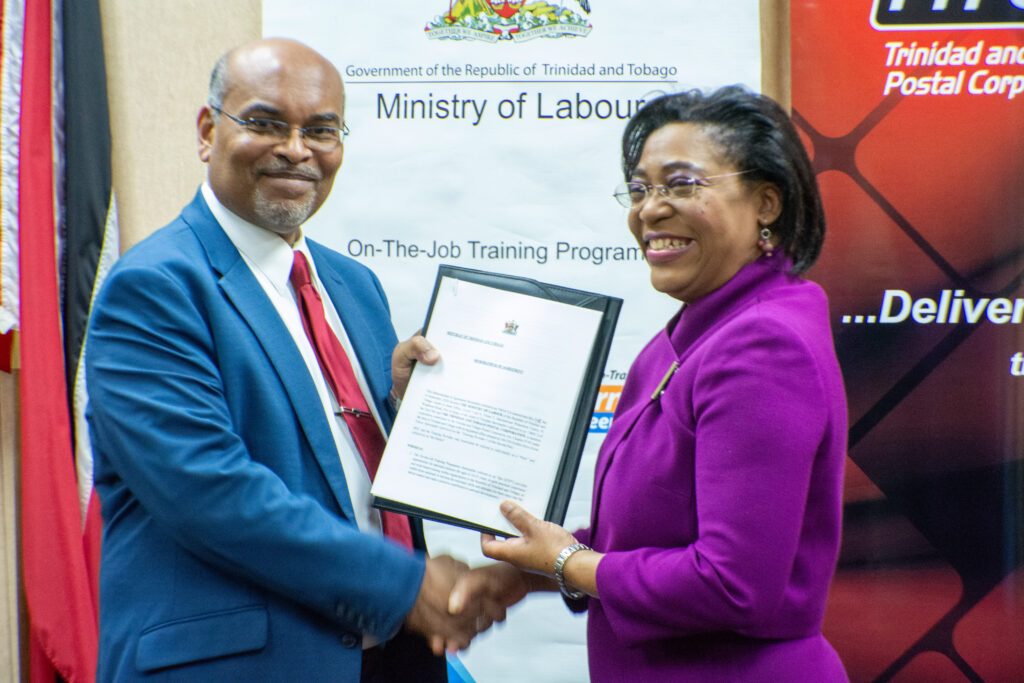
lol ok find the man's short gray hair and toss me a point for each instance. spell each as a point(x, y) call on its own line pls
point(218, 83)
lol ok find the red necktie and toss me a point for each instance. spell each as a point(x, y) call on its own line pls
point(338, 371)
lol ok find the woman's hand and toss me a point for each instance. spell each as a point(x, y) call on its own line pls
point(537, 547)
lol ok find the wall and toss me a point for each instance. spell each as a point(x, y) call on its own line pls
point(159, 54)
point(775, 50)
point(9, 595)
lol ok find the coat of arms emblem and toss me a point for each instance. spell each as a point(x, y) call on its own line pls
point(492, 20)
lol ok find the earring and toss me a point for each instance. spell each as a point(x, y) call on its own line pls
point(764, 242)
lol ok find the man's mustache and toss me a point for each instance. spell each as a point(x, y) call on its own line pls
point(298, 172)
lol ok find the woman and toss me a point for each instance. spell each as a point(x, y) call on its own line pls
point(717, 497)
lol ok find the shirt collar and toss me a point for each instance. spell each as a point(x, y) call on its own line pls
point(263, 249)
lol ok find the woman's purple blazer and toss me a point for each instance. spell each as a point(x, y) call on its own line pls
point(718, 503)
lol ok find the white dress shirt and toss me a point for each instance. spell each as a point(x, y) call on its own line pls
point(270, 258)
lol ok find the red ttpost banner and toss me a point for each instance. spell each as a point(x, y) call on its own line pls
point(913, 111)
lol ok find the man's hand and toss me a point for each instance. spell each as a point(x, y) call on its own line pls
point(415, 349)
point(429, 614)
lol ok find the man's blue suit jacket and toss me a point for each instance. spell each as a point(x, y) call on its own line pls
point(229, 546)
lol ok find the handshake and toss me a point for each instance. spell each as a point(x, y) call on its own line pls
point(455, 603)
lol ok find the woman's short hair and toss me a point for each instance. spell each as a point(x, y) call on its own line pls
point(755, 135)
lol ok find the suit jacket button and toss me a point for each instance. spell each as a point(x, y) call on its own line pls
point(349, 640)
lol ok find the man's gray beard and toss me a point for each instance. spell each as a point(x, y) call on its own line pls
point(283, 216)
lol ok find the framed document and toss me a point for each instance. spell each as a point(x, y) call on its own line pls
point(505, 412)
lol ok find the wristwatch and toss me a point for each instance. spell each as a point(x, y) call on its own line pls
point(560, 561)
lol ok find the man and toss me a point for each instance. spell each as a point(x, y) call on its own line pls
point(239, 539)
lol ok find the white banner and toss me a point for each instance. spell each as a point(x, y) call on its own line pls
point(487, 135)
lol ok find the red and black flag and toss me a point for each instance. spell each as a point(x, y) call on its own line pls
point(59, 222)
point(90, 226)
